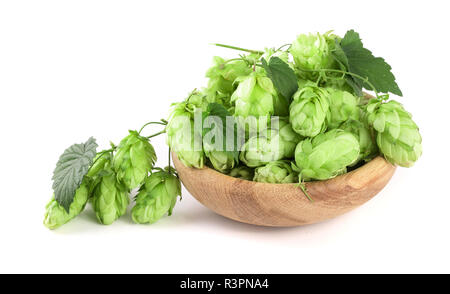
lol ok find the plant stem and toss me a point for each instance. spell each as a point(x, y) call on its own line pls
point(284, 46)
point(162, 122)
point(156, 134)
point(365, 80)
point(238, 48)
point(303, 187)
point(169, 158)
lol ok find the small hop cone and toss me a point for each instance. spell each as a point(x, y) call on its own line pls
point(56, 215)
point(367, 144)
point(183, 140)
point(242, 172)
point(223, 74)
point(262, 149)
point(398, 136)
point(254, 96)
point(134, 159)
point(309, 111)
point(326, 155)
point(288, 138)
point(110, 198)
point(277, 172)
point(156, 197)
point(313, 52)
point(343, 107)
point(222, 161)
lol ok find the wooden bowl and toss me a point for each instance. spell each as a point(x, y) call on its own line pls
point(285, 205)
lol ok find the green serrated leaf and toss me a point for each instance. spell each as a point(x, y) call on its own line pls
point(282, 76)
point(361, 62)
point(70, 170)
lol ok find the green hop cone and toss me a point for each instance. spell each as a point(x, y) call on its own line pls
point(109, 197)
point(326, 155)
point(156, 197)
point(276, 172)
point(343, 106)
point(262, 148)
point(56, 215)
point(222, 161)
point(102, 161)
point(134, 159)
point(367, 145)
point(309, 110)
point(242, 172)
point(223, 74)
point(183, 139)
point(398, 136)
point(312, 52)
point(254, 96)
point(288, 138)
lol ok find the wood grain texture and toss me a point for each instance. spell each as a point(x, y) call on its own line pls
point(285, 205)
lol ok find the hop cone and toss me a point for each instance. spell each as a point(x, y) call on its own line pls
point(326, 155)
point(254, 96)
point(312, 52)
point(134, 159)
point(56, 215)
point(398, 136)
point(222, 161)
point(156, 197)
point(276, 172)
point(367, 146)
point(242, 172)
point(262, 149)
point(223, 74)
point(288, 138)
point(102, 161)
point(110, 198)
point(343, 106)
point(308, 111)
point(182, 139)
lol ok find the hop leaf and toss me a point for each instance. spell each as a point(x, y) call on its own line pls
point(282, 76)
point(352, 55)
point(70, 170)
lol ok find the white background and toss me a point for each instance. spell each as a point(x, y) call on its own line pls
point(74, 69)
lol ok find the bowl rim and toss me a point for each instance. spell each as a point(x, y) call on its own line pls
point(360, 169)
